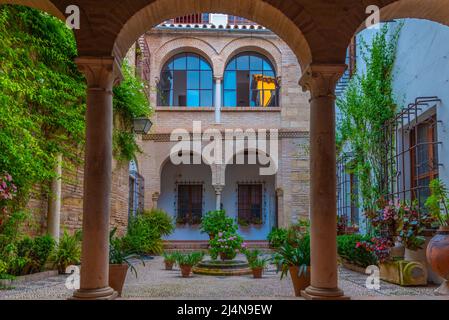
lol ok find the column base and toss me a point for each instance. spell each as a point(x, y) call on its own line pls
point(106, 293)
point(312, 293)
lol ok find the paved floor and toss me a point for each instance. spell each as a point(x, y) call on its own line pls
point(154, 283)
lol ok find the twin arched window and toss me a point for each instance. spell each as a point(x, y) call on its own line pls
point(249, 81)
point(186, 81)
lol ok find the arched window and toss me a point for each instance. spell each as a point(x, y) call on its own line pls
point(186, 81)
point(250, 81)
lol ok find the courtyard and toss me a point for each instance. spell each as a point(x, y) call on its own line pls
point(153, 282)
point(205, 133)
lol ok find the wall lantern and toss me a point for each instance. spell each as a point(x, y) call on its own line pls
point(142, 125)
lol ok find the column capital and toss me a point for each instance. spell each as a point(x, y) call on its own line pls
point(218, 188)
point(218, 78)
point(101, 73)
point(321, 79)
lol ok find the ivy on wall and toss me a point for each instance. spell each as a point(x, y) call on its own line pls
point(130, 102)
point(42, 96)
point(365, 107)
point(43, 100)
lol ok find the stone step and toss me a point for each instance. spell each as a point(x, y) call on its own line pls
point(204, 245)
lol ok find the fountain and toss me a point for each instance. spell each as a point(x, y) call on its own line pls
point(222, 268)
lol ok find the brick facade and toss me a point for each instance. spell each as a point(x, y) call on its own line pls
point(218, 47)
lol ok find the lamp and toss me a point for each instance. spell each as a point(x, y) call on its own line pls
point(142, 125)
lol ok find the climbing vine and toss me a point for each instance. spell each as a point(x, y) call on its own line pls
point(42, 96)
point(43, 100)
point(130, 102)
point(365, 107)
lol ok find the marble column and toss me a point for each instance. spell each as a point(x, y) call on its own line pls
point(218, 99)
point(100, 77)
point(54, 202)
point(218, 191)
point(321, 80)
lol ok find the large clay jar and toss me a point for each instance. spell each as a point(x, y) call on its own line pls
point(300, 280)
point(438, 258)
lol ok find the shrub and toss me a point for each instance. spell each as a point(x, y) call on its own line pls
point(189, 259)
point(226, 243)
point(294, 253)
point(356, 249)
point(118, 254)
point(277, 237)
point(258, 263)
point(214, 222)
point(252, 255)
point(146, 230)
point(68, 251)
point(169, 257)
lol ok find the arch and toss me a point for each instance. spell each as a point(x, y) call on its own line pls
point(249, 44)
point(433, 10)
point(166, 159)
point(43, 5)
point(185, 44)
point(255, 10)
point(230, 161)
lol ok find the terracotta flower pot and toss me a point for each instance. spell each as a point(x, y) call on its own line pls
point(186, 271)
point(438, 258)
point(226, 256)
point(117, 276)
point(169, 265)
point(300, 282)
point(398, 251)
point(257, 273)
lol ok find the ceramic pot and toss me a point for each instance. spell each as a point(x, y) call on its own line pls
point(186, 270)
point(398, 251)
point(438, 258)
point(225, 256)
point(257, 273)
point(169, 265)
point(300, 281)
point(117, 277)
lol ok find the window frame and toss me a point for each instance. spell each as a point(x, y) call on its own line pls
point(169, 71)
point(250, 219)
point(267, 67)
point(189, 217)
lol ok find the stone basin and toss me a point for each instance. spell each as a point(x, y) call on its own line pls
point(222, 268)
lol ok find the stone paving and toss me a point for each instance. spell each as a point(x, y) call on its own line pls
point(155, 283)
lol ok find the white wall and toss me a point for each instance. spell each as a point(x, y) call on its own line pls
point(250, 174)
point(167, 200)
point(421, 69)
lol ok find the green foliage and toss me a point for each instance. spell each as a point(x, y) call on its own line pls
point(277, 237)
point(118, 254)
point(214, 222)
point(258, 263)
point(366, 106)
point(294, 253)
point(68, 251)
point(438, 202)
point(228, 243)
point(349, 248)
point(252, 255)
point(130, 102)
point(35, 252)
point(169, 257)
point(145, 232)
point(189, 259)
point(42, 96)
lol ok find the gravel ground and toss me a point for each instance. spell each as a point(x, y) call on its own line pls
point(154, 282)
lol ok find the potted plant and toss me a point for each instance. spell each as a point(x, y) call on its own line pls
point(257, 265)
point(226, 245)
point(216, 221)
point(277, 237)
point(438, 249)
point(119, 262)
point(169, 260)
point(68, 251)
point(187, 260)
point(294, 259)
point(252, 255)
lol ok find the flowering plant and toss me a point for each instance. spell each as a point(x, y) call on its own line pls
point(8, 191)
point(381, 248)
point(226, 244)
